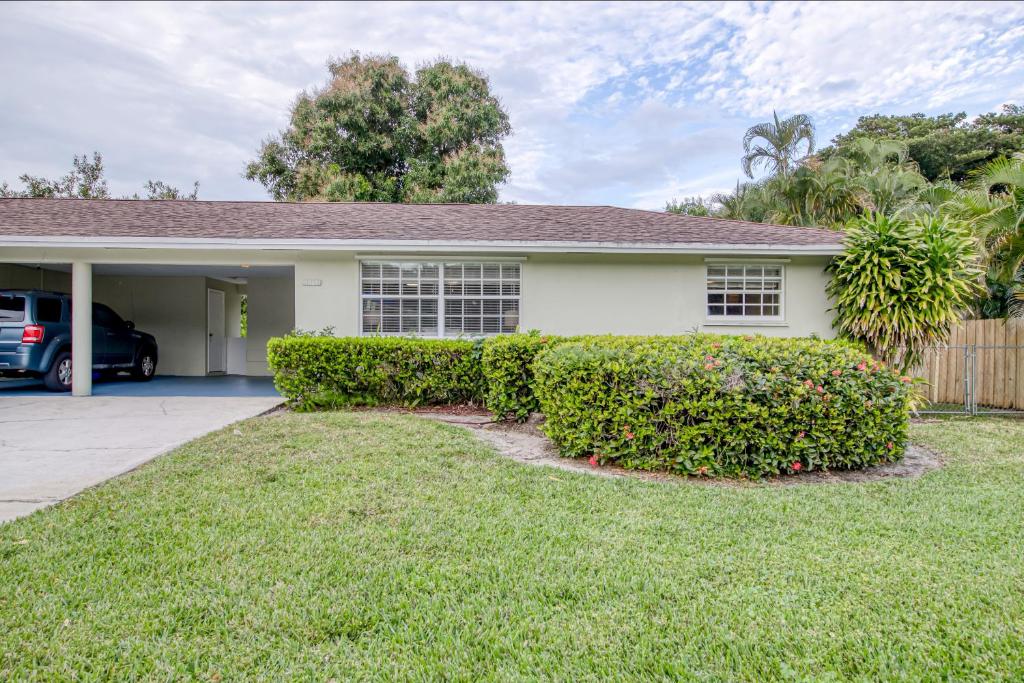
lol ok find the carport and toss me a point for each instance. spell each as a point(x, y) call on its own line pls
point(192, 304)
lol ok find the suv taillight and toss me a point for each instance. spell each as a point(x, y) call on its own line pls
point(33, 334)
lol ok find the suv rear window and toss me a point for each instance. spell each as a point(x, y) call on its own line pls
point(12, 308)
point(47, 310)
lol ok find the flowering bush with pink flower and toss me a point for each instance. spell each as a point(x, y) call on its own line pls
point(716, 405)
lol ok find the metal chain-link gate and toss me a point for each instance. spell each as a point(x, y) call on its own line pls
point(972, 379)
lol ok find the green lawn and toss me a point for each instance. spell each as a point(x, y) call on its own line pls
point(355, 545)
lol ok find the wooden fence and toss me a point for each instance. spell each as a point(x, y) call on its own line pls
point(983, 361)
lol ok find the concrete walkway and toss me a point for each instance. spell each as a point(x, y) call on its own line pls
point(52, 447)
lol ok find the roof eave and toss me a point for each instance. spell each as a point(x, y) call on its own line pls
point(398, 246)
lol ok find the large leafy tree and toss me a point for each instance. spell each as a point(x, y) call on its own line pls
point(900, 285)
point(947, 145)
point(777, 145)
point(86, 181)
point(375, 132)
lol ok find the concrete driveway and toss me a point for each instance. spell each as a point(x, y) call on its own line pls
point(52, 447)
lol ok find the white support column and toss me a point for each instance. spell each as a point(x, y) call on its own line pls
point(81, 329)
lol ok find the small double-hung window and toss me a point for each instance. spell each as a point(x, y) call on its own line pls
point(745, 292)
point(442, 299)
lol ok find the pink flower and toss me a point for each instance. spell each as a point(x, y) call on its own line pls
point(836, 373)
point(889, 445)
point(801, 435)
point(821, 389)
point(809, 384)
point(796, 467)
point(629, 435)
point(905, 379)
point(593, 460)
point(709, 366)
point(709, 358)
point(703, 469)
point(862, 366)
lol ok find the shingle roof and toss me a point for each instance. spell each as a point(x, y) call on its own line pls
point(386, 222)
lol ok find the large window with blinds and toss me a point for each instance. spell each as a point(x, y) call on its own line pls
point(746, 292)
point(439, 299)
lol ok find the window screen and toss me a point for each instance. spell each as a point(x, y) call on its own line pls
point(400, 298)
point(12, 308)
point(440, 299)
point(744, 291)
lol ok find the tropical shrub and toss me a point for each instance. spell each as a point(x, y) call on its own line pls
point(734, 406)
point(900, 285)
point(323, 371)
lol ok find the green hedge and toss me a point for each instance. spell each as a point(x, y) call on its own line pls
point(736, 406)
point(322, 371)
point(508, 372)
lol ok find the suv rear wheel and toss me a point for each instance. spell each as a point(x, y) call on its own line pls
point(58, 377)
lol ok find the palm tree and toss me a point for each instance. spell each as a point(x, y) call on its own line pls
point(745, 203)
point(994, 206)
point(889, 182)
point(781, 142)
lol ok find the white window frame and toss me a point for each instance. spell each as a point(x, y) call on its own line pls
point(442, 298)
point(726, 319)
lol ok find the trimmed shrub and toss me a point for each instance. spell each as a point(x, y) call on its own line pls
point(322, 372)
point(508, 372)
point(715, 405)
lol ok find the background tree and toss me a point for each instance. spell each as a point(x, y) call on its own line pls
point(376, 133)
point(947, 145)
point(900, 285)
point(86, 181)
point(689, 206)
point(158, 189)
point(781, 142)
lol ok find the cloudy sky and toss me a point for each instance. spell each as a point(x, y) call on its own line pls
point(613, 103)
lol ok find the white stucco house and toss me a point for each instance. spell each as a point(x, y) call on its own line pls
point(179, 269)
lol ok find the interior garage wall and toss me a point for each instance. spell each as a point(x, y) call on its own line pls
point(25, 277)
point(172, 309)
point(271, 312)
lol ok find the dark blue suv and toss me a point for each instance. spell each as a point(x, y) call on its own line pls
point(35, 339)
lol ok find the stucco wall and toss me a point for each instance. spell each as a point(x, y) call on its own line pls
point(327, 294)
point(586, 293)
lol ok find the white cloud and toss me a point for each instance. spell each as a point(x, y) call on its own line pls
point(610, 102)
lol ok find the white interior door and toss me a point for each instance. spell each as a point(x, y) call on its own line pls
point(216, 345)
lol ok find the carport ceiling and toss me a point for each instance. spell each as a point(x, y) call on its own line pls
point(219, 272)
